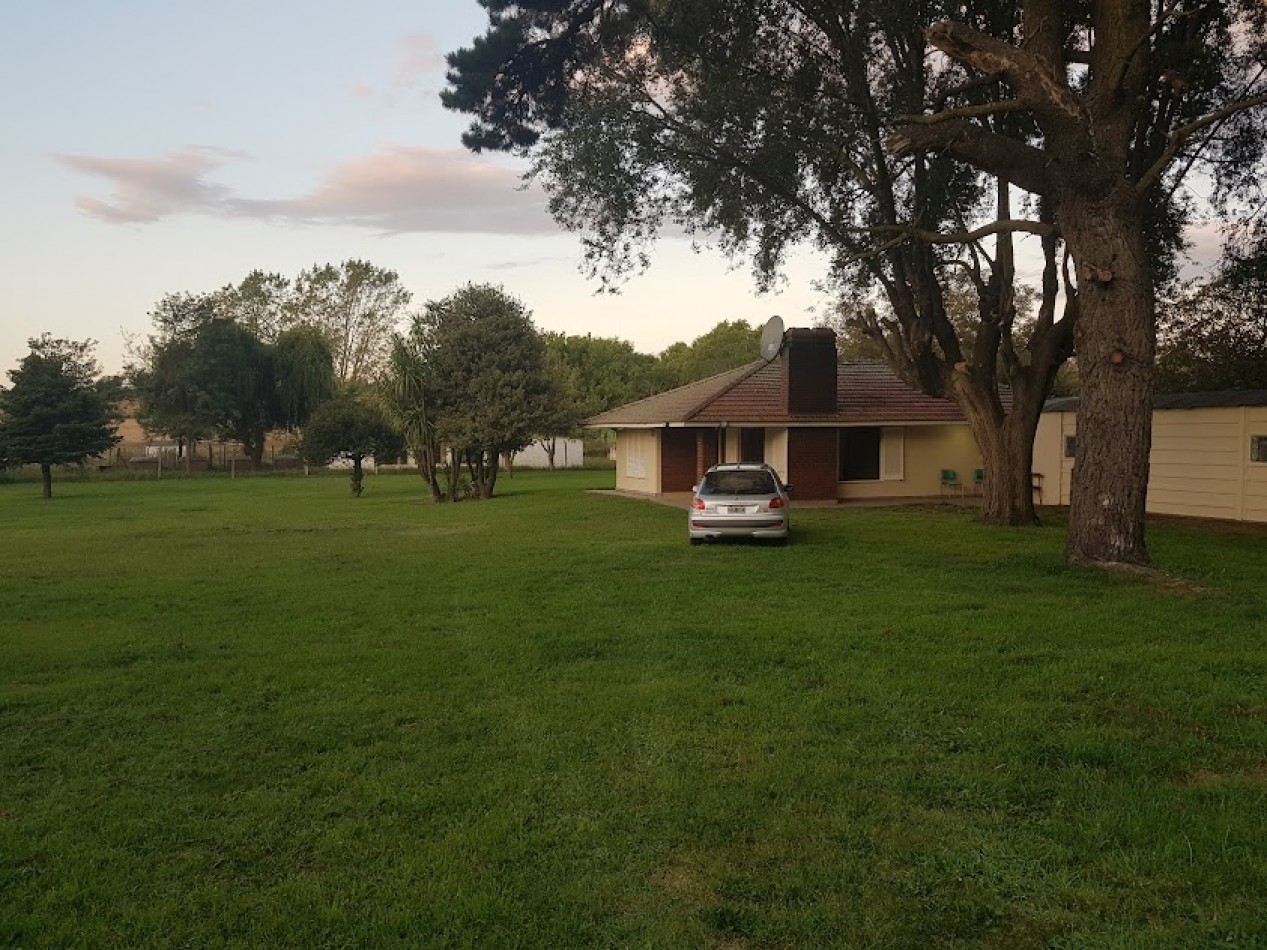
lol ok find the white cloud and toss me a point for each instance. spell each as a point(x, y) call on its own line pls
point(395, 190)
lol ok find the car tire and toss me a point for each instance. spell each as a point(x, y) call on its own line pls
point(697, 541)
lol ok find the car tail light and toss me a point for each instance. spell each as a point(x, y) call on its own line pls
point(777, 502)
point(698, 504)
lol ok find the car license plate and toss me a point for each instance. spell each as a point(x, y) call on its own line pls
point(737, 510)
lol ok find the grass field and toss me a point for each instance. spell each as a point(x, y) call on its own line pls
point(259, 713)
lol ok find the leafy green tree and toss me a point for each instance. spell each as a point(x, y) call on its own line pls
point(263, 302)
point(57, 410)
point(303, 375)
point(1214, 337)
point(898, 138)
point(605, 371)
point(219, 377)
point(410, 399)
point(358, 307)
point(475, 368)
point(349, 427)
point(730, 344)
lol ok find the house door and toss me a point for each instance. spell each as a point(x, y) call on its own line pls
point(752, 445)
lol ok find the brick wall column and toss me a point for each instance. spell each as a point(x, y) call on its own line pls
point(812, 459)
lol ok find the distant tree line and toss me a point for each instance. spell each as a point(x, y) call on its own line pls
point(335, 358)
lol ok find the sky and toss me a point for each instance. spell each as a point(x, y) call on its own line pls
point(162, 146)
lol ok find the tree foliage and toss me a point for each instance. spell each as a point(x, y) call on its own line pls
point(898, 138)
point(58, 410)
point(1213, 336)
point(604, 372)
point(470, 383)
point(204, 374)
point(730, 344)
point(349, 427)
point(358, 307)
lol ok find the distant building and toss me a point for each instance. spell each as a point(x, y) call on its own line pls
point(832, 429)
point(1208, 458)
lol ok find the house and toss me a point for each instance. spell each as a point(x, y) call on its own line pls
point(1208, 459)
point(832, 429)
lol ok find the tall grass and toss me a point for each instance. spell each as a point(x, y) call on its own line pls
point(258, 712)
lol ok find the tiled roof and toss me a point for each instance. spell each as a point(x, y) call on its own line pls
point(866, 392)
point(675, 405)
point(1226, 397)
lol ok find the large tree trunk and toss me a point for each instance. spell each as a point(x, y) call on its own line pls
point(489, 482)
point(1006, 444)
point(1115, 340)
point(46, 477)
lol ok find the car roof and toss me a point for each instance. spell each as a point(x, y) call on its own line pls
point(741, 467)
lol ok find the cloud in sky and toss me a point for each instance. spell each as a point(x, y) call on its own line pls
point(396, 190)
point(147, 190)
point(417, 70)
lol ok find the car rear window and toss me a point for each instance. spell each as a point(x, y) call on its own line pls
point(737, 483)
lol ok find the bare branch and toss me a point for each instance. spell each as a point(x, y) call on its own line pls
point(966, 112)
point(1002, 226)
point(1031, 76)
point(976, 82)
point(1175, 140)
point(1022, 164)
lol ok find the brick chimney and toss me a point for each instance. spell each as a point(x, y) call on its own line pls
point(809, 370)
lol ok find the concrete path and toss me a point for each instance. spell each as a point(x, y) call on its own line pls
point(682, 499)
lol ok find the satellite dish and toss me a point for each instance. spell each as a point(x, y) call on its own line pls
point(772, 338)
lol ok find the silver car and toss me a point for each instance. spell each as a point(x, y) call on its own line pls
point(740, 500)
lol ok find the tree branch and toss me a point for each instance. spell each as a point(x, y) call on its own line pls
point(966, 112)
point(1037, 86)
point(1023, 165)
point(1002, 226)
point(1175, 140)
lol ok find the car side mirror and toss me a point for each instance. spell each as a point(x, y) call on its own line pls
point(788, 489)
point(694, 488)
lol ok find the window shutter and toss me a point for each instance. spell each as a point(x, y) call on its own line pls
point(892, 453)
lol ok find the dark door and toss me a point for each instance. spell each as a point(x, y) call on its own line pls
point(752, 445)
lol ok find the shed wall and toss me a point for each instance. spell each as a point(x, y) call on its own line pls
point(1199, 465)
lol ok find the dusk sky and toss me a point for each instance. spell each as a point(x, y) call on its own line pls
point(156, 147)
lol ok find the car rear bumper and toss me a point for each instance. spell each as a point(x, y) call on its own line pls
point(752, 527)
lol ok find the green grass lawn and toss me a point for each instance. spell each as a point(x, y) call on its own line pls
point(257, 712)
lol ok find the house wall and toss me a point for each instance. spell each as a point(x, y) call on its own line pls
point(1199, 464)
point(654, 461)
point(638, 460)
point(925, 451)
point(811, 463)
point(1048, 446)
point(1254, 492)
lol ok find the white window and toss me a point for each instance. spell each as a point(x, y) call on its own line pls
point(1258, 448)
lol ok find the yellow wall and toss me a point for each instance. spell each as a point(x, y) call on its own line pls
point(926, 450)
point(638, 460)
point(776, 451)
point(1199, 464)
point(1254, 493)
